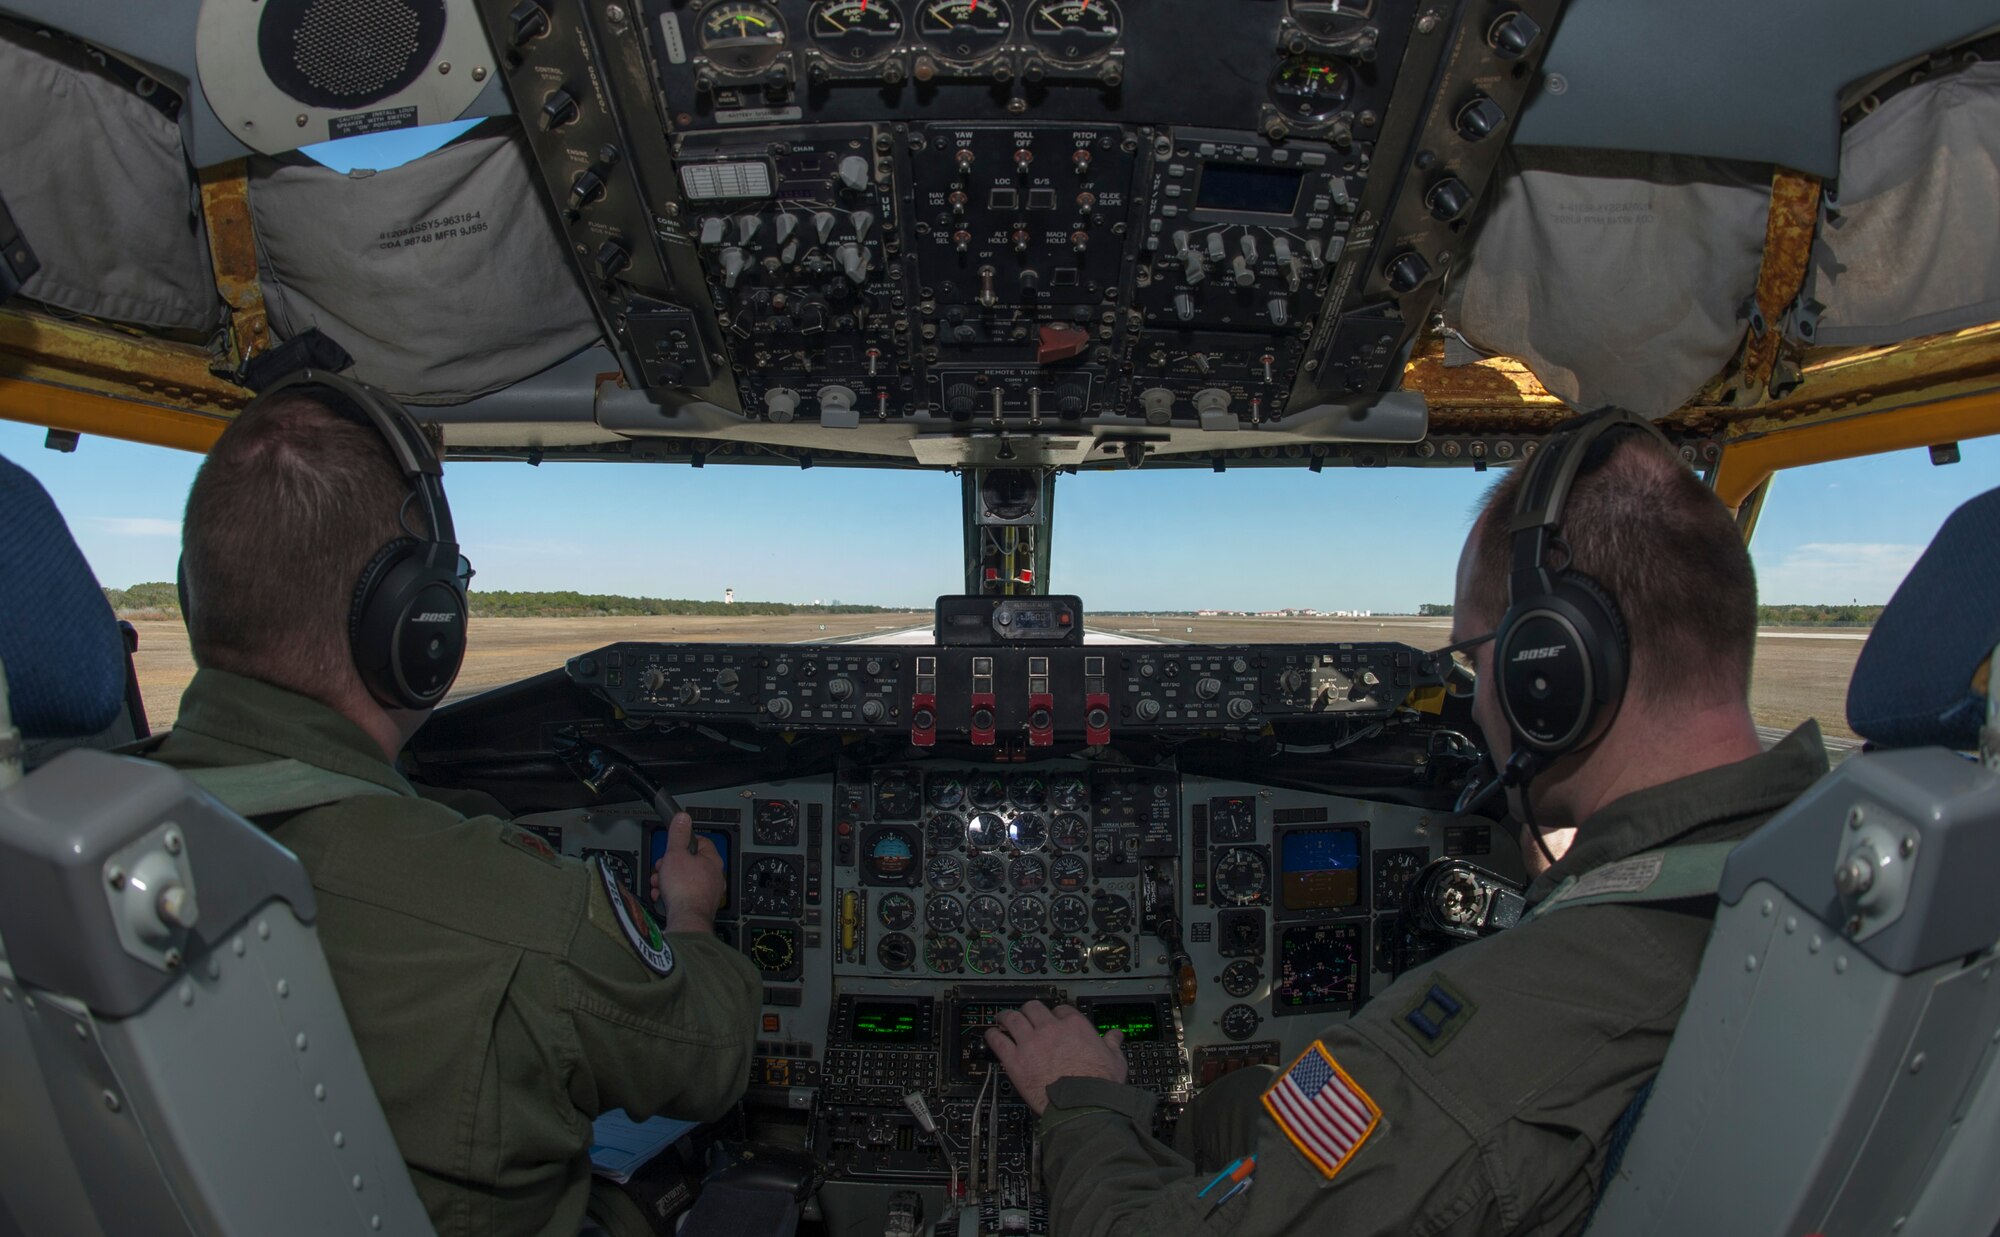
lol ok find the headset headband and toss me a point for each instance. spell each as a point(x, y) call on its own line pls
point(1544, 492)
point(407, 444)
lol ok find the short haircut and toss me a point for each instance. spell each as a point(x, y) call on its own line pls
point(1641, 524)
point(294, 500)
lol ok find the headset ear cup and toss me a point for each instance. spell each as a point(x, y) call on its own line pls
point(1606, 642)
point(1560, 666)
point(371, 621)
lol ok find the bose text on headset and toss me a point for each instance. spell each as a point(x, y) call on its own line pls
point(406, 621)
point(1561, 654)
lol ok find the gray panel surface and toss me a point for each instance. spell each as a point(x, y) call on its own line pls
point(1727, 79)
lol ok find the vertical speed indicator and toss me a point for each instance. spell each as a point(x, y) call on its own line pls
point(1074, 31)
point(855, 31)
point(965, 31)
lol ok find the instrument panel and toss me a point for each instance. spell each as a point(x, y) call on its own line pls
point(932, 220)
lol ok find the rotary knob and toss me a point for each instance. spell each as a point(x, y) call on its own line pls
point(873, 710)
point(1448, 199)
point(1147, 710)
point(840, 689)
point(1479, 119)
point(690, 693)
point(1292, 681)
point(779, 707)
point(1208, 689)
point(1512, 35)
point(727, 679)
point(1239, 707)
point(1407, 271)
point(653, 680)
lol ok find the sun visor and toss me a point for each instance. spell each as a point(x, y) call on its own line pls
point(99, 182)
point(445, 278)
point(1907, 248)
point(1617, 278)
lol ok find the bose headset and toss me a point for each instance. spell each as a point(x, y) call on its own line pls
point(406, 622)
point(1561, 654)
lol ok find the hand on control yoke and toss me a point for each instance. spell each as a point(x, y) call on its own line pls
point(1037, 1045)
point(688, 880)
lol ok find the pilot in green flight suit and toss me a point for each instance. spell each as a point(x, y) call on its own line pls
point(1480, 1093)
point(502, 996)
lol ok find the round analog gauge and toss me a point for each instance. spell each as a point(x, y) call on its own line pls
point(1069, 794)
point(945, 914)
point(1069, 873)
point(891, 857)
point(1026, 914)
point(1028, 874)
point(944, 832)
point(965, 31)
point(947, 793)
point(896, 911)
point(984, 831)
point(1074, 31)
point(1027, 831)
point(944, 872)
point(742, 38)
point(773, 948)
point(986, 873)
point(1326, 19)
point(987, 954)
point(986, 791)
point(944, 954)
point(1241, 876)
point(895, 951)
point(1240, 1022)
point(1071, 831)
point(986, 914)
point(1240, 978)
point(777, 823)
point(1068, 955)
point(771, 887)
point(1310, 89)
point(1029, 955)
point(1111, 954)
point(897, 797)
point(1069, 913)
point(1395, 869)
point(1111, 913)
point(1027, 790)
point(855, 31)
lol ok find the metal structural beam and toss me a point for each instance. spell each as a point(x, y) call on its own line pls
point(1748, 463)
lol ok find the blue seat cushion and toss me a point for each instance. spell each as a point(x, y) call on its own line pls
point(59, 642)
point(1913, 684)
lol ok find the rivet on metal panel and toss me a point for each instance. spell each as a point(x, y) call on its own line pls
point(1840, 966)
point(339, 1139)
point(1908, 847)
point(1750, 963)
point(1791, 924)
point(299, 1041)
point(173, 842)
point(356, 1182)
point(214, 967)
point(187, 993)
point(172, 959)
point(1855, 816)
point(263, 929)
point(375, 1222)
point(319, 1091)
point(284, 988)
point(1854, 926)
point(1768, 908)
point(112, 1102)
point(80, 1032)
point(237, 945)
point(1917, 1064)
point(116, 877)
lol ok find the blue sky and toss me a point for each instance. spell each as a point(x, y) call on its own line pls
point(1182, 539)
point(1376, 539)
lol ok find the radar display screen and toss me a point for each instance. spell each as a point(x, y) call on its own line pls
point(1242, 186)
point(1319, 967)
point(1139, 1021)
point(885, 1021)
point(1319, 869)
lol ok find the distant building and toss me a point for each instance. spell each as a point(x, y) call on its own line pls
point(728, 596)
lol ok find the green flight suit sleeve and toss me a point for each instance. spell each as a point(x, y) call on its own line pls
point(679, 1044)
point(1418, 1172)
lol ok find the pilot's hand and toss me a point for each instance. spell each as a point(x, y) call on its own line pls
point(690, 886)
point(1037, 1045)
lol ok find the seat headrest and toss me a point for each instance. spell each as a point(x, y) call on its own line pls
point(1913, 684)
point(59, 642)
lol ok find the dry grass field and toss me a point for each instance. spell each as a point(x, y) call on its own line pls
point(1799, 674)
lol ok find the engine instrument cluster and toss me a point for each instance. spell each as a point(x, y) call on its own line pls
point(939, 219)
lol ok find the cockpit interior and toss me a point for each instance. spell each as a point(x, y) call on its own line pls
point(1016, 241)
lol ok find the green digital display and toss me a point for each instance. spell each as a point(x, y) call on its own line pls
point(1138, 1021)
point(884, 1022)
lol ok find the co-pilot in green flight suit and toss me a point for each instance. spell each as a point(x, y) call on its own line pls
point(1494, 1074)
point(498, 1002)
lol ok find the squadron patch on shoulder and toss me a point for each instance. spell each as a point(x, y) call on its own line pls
point(1322, 1110)
point(1440, 1012)
point(644, 935)
point(521, 839)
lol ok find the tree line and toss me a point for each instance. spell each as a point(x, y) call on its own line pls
point(163, 600)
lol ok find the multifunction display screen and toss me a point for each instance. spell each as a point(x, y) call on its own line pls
point(1319, 869)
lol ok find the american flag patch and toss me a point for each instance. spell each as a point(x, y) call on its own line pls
point(1325, 1113)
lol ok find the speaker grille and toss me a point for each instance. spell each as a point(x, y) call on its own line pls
point(348, 53)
